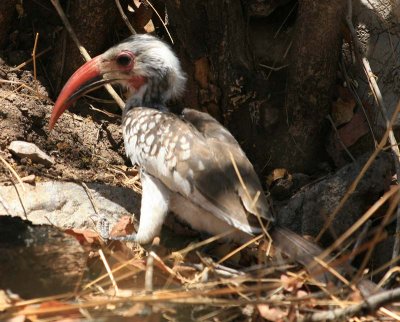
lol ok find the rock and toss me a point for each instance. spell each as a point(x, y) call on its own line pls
point(28, 150)
point(282, 184)
point(29, 179)
point(48, 261)
point(66, 204)
point(373, 19)
point(381, 255)
point(307, 210)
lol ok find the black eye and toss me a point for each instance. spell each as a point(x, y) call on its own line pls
point(124, 59)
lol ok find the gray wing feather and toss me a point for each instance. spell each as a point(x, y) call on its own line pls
point(208, 126)
point(224, 140)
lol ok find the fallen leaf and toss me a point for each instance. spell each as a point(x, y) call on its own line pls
point(29, 179)
point(301, 293)
point(123, 227)
point(5, 301)
point(352, 131)
point(356, 296)
point(142, 16)
point(149, 27)
point(134, 310)
point(62, 145)
point(83, 235)
point(53, 308)
point(291, 283)
point(346, 136)
point(19, 318)
point(277, 174)
point(271, 314)
point(343, 108)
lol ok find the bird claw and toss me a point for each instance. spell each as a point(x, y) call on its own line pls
point(102, 225)
point(130, 238)
point(103, 229)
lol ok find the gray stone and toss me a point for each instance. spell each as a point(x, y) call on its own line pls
point(307, 211)
point(378, 29)
point(24, 149)
point(67, 204)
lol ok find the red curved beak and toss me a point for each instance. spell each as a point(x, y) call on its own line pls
point(87, 78)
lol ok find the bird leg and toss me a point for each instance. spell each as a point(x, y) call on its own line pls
point(154, 209)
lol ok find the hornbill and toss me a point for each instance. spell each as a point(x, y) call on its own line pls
point(187, 162)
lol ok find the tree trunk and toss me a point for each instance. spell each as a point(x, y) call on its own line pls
point(7, 10)
point(312, 75)
point(225, 80)
point(91, 21)
point(211, 39)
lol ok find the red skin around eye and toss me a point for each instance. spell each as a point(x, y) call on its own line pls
point(129, 66)
point(137, 81)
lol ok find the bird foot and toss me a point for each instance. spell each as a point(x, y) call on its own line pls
point(103, 229)
point(102, 225)
point(130, 238)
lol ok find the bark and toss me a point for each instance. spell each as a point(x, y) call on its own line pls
point(211, 39)
point(212, 42)
point(312, 74)
point(7, 10)
point(225, 81)
point(91, 21)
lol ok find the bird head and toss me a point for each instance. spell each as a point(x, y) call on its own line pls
point(143, 64)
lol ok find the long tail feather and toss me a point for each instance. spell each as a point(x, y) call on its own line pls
point(305, 252)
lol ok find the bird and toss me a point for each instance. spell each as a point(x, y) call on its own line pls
point(189, 163)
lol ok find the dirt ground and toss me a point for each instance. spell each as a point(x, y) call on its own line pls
point(83, 150)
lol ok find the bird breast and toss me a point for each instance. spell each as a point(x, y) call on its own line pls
point(159, 142)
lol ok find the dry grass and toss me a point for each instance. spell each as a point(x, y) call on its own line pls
point(264, 285)
point(275, 289)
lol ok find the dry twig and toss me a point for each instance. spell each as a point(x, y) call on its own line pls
point(27, 87)
point(340, 139)
point(254, 199)
point(369, 305)
point(161, 20)
point(125, 18)
point(9, 167)
point(34, 58)
point(31, 59)
point(109, 272)
point(148, 279)
point(379, 232)
point(360, 222)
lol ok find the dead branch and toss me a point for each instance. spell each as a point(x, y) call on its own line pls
point(31, 59)
point(161, 20)
point(369, 305)
point(125, 18)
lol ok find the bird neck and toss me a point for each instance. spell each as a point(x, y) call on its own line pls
point(148, 95)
